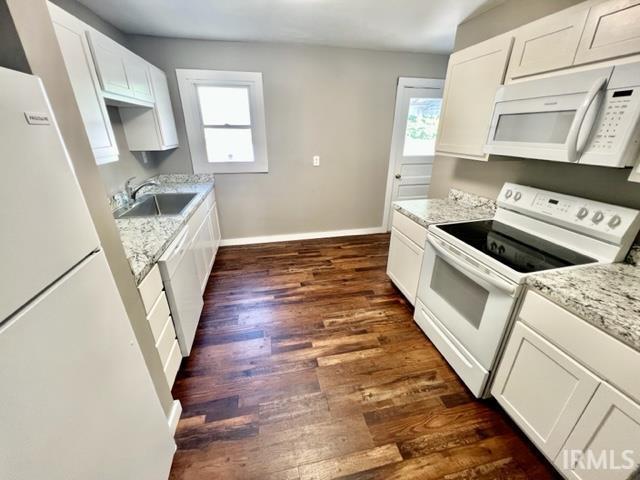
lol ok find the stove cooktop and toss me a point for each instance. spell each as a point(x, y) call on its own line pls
point(523, 252)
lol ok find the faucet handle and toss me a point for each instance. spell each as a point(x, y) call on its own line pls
point(128, 187)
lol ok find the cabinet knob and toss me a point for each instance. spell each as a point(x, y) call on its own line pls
point(398, 176)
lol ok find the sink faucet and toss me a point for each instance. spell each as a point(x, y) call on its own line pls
point(132, 191)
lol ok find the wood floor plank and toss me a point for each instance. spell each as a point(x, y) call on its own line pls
point(350, 464)
point(307, 364)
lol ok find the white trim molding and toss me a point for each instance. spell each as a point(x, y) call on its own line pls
point(288, 237)
point(174, 416)
point(188, 82)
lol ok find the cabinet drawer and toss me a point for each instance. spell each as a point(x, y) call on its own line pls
point(150, 288)
point(173, 363)
point(158, 315)
point(165, 342)
point(592, 347)
point(415, 232)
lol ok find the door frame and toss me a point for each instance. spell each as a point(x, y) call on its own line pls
point(398, 135)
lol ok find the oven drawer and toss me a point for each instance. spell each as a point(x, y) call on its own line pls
point(466, 366)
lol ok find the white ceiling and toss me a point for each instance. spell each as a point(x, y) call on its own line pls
point(405, 25)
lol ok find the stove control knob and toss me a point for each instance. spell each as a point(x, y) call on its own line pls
point(517, 196)
point(501, 249)
point(493, 246)
point(582, 213)
point(597, 217)
point(508, 193)
point(615, 221)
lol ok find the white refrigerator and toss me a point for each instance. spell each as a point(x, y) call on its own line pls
point(76, 399)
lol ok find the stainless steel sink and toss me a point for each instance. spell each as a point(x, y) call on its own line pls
point(156, 205)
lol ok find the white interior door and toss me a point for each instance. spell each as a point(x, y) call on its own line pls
point(418, 103)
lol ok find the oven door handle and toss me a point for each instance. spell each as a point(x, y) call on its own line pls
point(576, 126)
point(464, 266)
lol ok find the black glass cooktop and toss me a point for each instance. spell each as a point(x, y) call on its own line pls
point(514, 248)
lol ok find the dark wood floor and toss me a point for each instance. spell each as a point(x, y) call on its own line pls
point(307, 365)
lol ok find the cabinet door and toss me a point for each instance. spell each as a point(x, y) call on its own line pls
point(547, 44)
point(612, 30)
point(203, 248)
point(216, 235)
point(86, 87)
point(609, 428)
point(163, 109)
point(137, 71)
point(151, 129)
point(110, 62)
point(404, 263)
point(541, 388)
point(473, 76)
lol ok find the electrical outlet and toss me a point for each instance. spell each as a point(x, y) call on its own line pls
point(316, 160)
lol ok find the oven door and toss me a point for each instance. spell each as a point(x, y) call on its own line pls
point(548, 119)
point(469, 302)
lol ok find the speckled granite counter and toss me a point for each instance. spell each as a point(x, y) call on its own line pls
point(146, 238)
point(457, 207)
point(606, 296)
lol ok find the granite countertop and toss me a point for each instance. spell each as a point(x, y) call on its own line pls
point(457, 207)
point(145, 239)
point(606, 296)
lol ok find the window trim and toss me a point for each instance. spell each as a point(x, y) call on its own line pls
point(188, 81)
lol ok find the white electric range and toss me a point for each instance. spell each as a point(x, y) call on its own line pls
point(472, 272)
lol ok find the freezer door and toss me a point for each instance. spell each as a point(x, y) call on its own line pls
point(77, 400)
point(46, 227)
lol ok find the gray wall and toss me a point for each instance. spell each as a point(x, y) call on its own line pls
point(129, 164)
point(486, 178)
point(334, 102)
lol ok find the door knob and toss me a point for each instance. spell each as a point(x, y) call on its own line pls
point(398, 176)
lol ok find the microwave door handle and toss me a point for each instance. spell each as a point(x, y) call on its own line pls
point(469, 270)
point(576, 126)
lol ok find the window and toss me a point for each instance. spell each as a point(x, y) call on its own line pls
point(224, 117)
point(422, 127)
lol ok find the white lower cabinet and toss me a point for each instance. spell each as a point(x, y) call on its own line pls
point(605, 443)
point(159, 318)
point(542, 389)
point(406, 250)
point(573, 390)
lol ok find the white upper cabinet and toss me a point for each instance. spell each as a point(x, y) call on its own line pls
point(473, 76)
point(547, 44)
point(612, 30)
point(84, 81)
point(151, 129)
point(123, 75)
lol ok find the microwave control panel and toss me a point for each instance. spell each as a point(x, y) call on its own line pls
point(614, 119)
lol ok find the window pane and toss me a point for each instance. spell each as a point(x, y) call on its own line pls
point(422, 127)
point(228, 145)
point(224, 105)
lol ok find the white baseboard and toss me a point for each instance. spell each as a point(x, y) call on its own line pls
point(174, 416)
point(287, 237)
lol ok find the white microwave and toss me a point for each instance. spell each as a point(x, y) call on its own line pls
point(590, 117)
